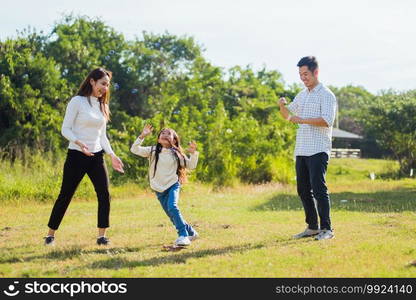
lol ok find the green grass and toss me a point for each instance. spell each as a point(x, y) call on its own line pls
point(245, 232)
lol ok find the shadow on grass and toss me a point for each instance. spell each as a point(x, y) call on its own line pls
point(78, 251)
point(398, 200)
point(167, 258)
point(69, 253)
point(180, 258)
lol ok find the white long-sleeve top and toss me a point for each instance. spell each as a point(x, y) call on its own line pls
point(86, 123)
point(167, 165)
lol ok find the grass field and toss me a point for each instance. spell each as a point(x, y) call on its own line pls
point(245, 232)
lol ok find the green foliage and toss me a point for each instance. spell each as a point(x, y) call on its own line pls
point(351, 101)
point(79, 44)
point(386, 121)
point(391, 122)
point(31, 90)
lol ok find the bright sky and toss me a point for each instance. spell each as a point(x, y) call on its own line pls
point(362, 42)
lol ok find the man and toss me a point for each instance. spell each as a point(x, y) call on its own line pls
point(314, 110)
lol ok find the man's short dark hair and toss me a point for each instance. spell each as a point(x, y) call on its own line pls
point(310, 62)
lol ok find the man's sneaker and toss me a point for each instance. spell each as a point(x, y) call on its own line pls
point(307, 233)
point(49, 240)
point(103, 241)
point(325, 235)
point(194, 236)
point(182, 241)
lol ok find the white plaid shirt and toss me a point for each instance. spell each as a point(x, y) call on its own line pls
point(319, 102)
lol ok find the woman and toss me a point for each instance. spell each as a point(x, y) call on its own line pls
point(84, 126)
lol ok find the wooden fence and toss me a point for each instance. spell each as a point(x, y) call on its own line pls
point(345, 153)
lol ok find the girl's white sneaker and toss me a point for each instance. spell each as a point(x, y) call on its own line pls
point(193, 237)
point(183, 241)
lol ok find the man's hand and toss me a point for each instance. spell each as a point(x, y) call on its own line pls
point(282, 101)
point(296, 120)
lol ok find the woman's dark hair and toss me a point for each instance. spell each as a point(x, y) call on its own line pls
point(86, 89)
point(177, 151)
point(310, 62)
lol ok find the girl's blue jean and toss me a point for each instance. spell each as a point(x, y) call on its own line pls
point(169, 200)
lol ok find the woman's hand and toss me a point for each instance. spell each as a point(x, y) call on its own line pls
point(117, 163)
point(84, 148)
point(192, 147)
point(146, 131)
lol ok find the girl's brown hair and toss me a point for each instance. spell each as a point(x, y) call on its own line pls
point(177, 151)
point(86, 90)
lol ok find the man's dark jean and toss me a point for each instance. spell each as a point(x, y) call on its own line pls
point(310, 176)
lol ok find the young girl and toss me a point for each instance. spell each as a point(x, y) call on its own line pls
point(167, 163)
point(84, 126)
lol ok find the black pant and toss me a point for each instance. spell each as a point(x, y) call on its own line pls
point(310, 174)
point(76, 166)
